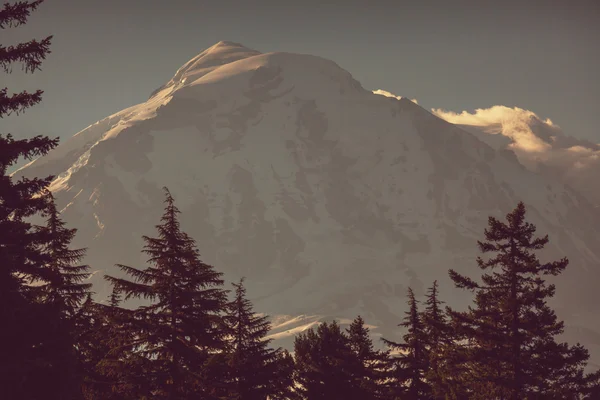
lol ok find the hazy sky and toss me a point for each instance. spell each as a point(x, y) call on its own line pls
point(458, 55)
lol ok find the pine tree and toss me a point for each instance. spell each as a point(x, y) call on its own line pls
point(27, 369)
point(512, 350)
point(375, 364)
point(19, 243)
point(89, 342)
point(439, 343)
point(105, 347)
point(65, 288)
point(176, 337)
point(61, 295)
point(326, 366)
point(285, 389)
point(412, 362)
point(254, 367)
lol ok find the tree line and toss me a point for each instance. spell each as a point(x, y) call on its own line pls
point(195, 339)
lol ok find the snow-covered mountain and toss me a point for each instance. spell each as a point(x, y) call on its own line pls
point(330, 199)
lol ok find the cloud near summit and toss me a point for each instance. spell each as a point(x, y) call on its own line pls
point(539, 144)
point(514, 123)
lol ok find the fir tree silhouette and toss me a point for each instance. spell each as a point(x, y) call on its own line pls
point(412, 362)
point(113, 371)
point(29, 366)
point(511, 331)
point(437, 333)
point(375, 364)
point(62, 295)
point(326, 366)
point(176, 337)
point(255, 370)
point(65, 290)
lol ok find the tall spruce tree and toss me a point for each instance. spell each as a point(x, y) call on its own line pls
point(90, 345)
point(412, 362)
point(439, 343)
point(511, 331)
point(255, 369)
point(62, 295)
point(27, 369)
point(20, 252)
point(286, 385)
point(326, 366)
point(375, 365)
point(183, 330)
point(65, 289)
point(105, 341)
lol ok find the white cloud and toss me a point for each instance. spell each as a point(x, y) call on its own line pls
point(388, 94)
point(514, 123)
point(539, 144)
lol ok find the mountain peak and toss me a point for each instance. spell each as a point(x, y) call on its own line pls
point(227, 44)
point(217, 55)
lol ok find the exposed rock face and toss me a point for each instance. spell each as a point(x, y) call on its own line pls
point(330, 199)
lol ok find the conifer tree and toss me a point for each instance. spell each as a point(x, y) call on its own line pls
point(511, 331)
point(64, 287)
point(439, 343)
point(178, 335)
point(20, 254)
point(412, 362)
point(61, 294)
point(105, 343)
point(375, 364)
point(89, 343)
point(92, 343)
point(254, 368)
point(27, 370)
point(326, 366)
point(286, 386)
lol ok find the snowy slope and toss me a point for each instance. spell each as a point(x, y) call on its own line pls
point(332, 200)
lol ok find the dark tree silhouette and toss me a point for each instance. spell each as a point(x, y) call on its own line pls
point(61, 294)
point(110, 369)
point(439, 343)
point(64, 288)
point(512, 350)
point(326, 366)
point(29, 367)
point(176, 337)
point(375, 365)
point(254, 368)
point(412, 362)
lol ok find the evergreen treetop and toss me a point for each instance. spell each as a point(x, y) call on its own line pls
point(326, 366)
point(256, 370)
point(412, 360)
point(29, 367)
point(183, 327)
point(511, 329)
point(65, 287)
point(375, 365)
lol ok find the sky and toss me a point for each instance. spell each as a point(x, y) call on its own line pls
point(107, 55)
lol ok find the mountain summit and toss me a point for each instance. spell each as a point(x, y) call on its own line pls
point(329, 198)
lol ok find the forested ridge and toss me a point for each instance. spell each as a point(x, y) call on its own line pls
point(198, 337)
